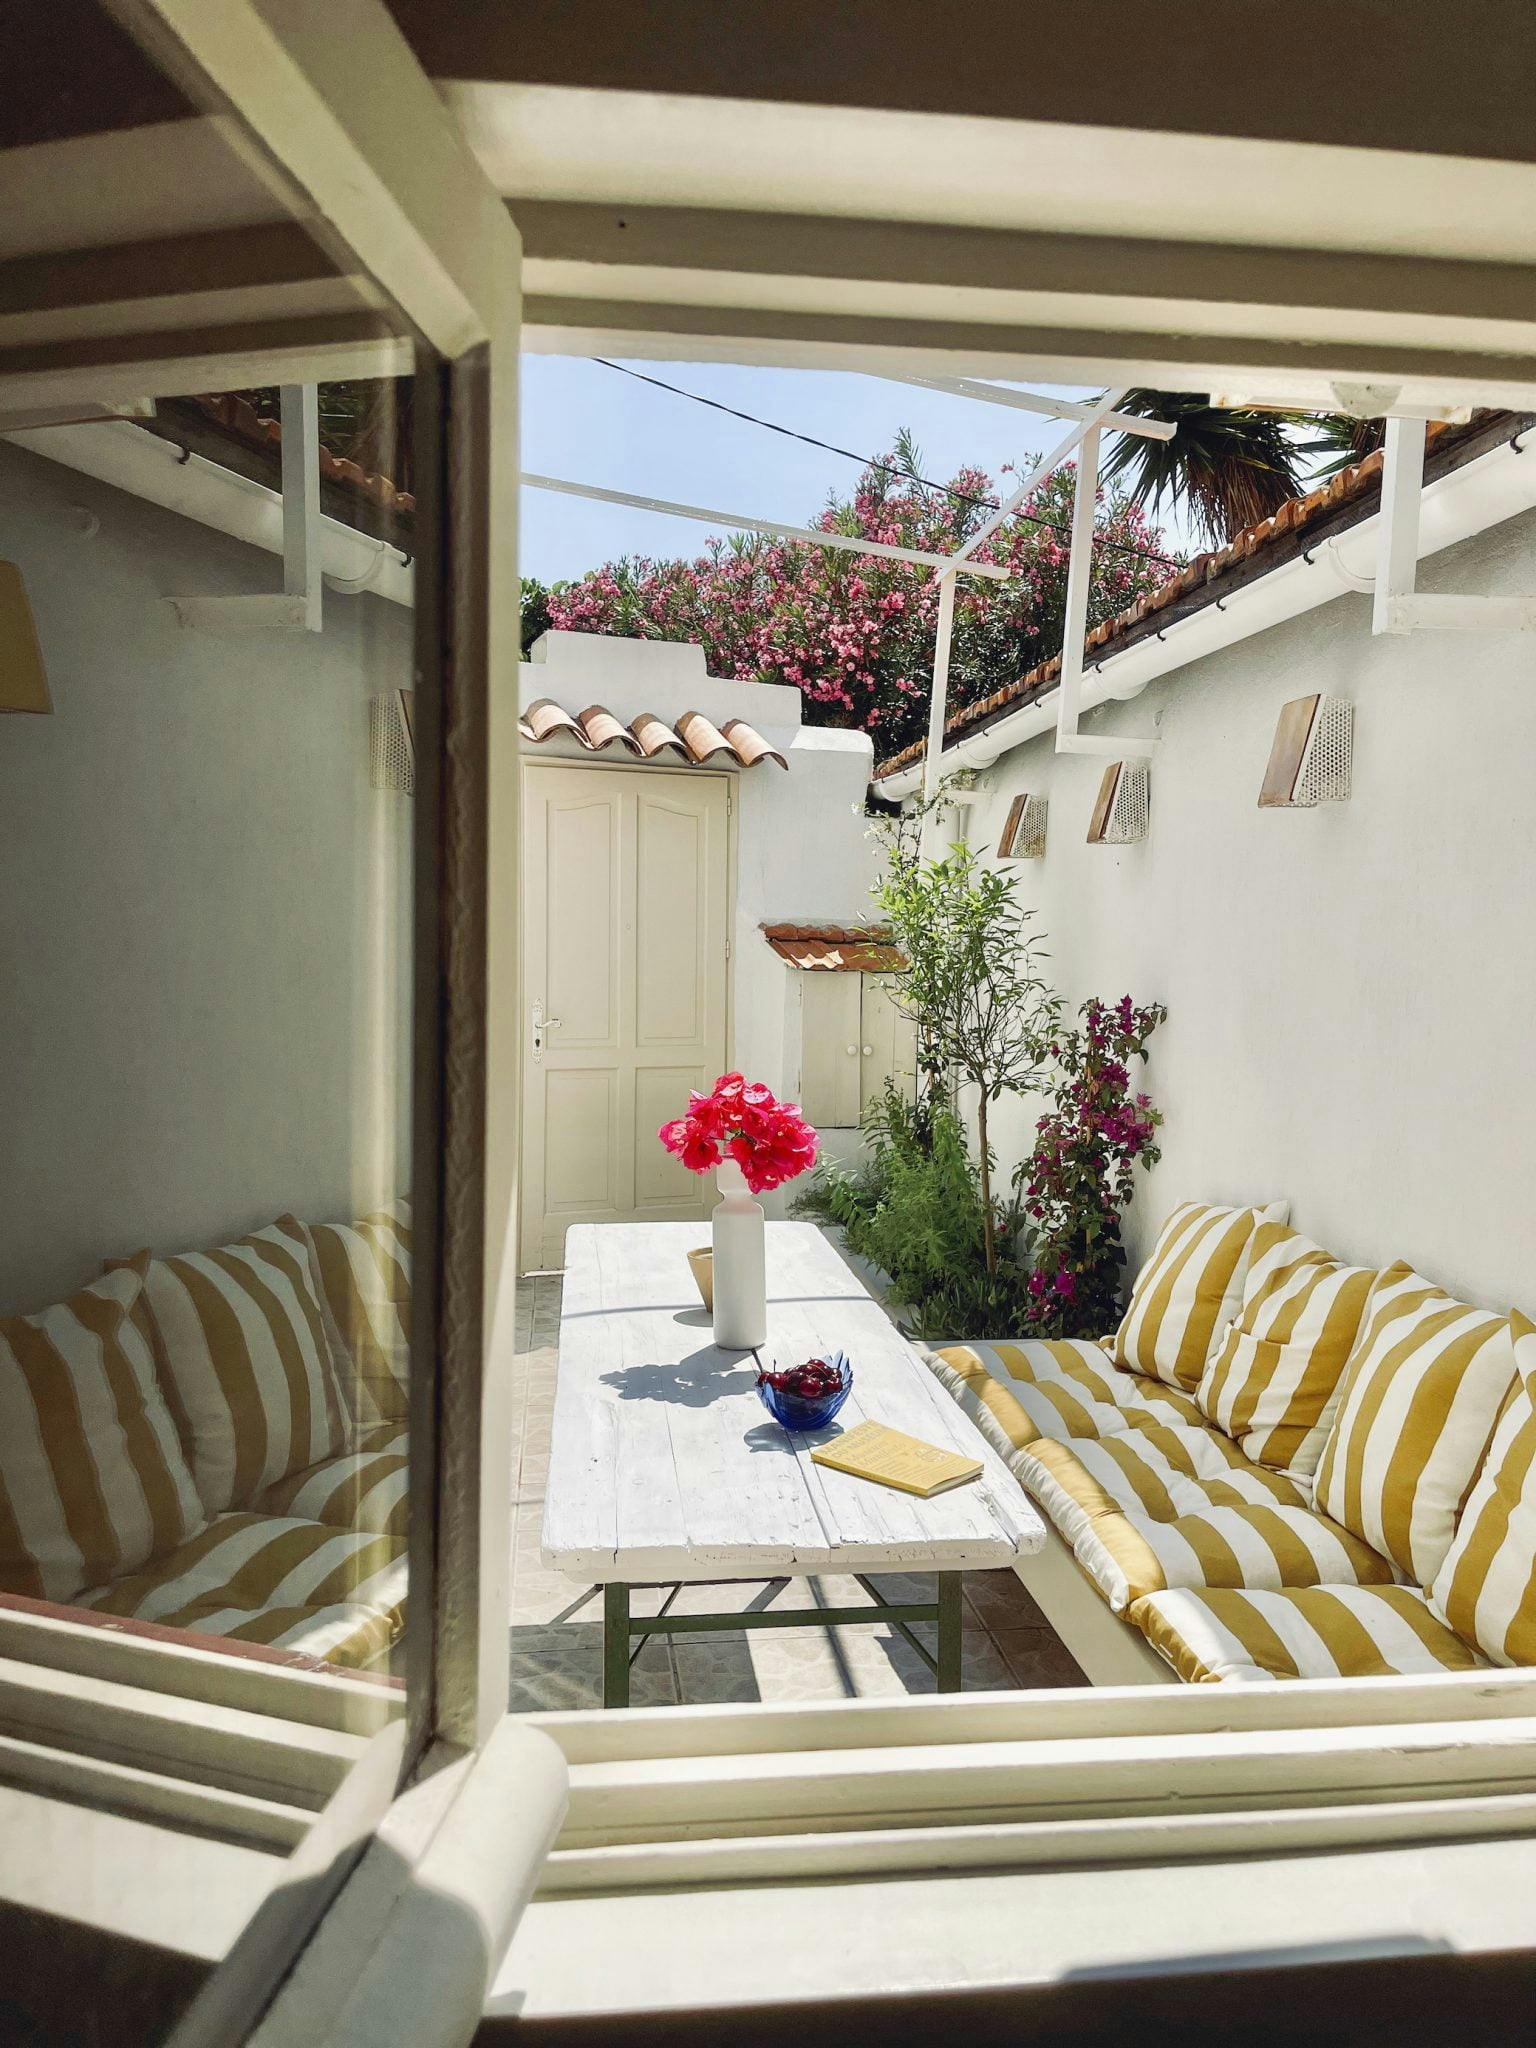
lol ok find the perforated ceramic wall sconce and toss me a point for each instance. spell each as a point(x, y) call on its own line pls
point(392, 741)
point(1122, 809)
point(1023, 835)
point(1309, 762)
point(23, 679)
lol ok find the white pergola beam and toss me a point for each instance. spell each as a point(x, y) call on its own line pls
point(1069, 695)
point(302, 536)
point(707, 516)
point(938, 702)
point(1035, 402)
point(1042, 469)
point(1398, 606)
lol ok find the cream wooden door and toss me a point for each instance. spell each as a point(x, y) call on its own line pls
point(625, 882)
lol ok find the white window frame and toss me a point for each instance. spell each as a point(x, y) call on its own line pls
point(334, 96)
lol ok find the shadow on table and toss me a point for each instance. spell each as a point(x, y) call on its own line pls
point(693, 1382)
point(772, 1436)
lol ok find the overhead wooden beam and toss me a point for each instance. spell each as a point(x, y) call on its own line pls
point(272, 255)
point(1124, 267)
point(1458, 87)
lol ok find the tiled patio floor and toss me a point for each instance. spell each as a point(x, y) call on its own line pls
point(557, 1622)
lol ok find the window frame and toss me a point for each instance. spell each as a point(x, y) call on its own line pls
point(427, 224)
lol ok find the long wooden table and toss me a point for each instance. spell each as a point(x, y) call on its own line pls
point(665, 1468)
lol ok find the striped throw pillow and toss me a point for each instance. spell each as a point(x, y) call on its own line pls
point(1420, 1397)
point(1189, 1290)
point(1272, 1383)
point(245, 1356)
point(92, 1479)
point(1486, 1588)
point(365, 1269)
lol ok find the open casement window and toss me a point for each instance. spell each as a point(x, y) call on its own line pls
point(253, 1469)
point(1258, 1861)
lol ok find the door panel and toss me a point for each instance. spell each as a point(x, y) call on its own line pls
point(625, 888)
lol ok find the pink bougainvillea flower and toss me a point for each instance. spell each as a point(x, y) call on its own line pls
point(742, 1120)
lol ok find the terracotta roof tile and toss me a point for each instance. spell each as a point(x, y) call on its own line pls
point(647, 735)
point(1355, 487)
point(836, 948)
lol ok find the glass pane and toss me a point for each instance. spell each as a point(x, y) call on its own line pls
point(208, 749)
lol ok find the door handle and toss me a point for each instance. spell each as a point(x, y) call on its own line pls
point(540, 1024)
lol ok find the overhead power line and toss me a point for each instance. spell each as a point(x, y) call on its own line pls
point(880, 468)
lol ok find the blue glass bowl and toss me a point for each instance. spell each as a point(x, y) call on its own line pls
point(794, 1413)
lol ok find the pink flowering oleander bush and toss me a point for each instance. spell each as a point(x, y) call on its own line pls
point(1080, 1175)
point(854, 634)
point(742, 1120)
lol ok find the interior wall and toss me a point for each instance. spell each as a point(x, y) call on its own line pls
point(1351, 990)
point(204, 906)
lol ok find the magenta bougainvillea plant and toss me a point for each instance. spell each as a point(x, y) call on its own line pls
point(742, 1120)
point(854, 634)
point(1080, 1175)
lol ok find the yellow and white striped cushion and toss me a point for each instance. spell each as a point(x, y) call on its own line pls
point(1158, 1506)
point(1419, 1400)
point(246, 1361)
point(362, 1489)
point(365, 1269)
point(92, 1478)
point(1189, 1290)
point(1486, 1588)
point(1272, 1383)
point(267, 1579)
point(1316, 1632)
point(1060, 1388)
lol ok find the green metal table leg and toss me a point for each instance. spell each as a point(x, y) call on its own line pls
point(950, 1632)
point(615, 1646)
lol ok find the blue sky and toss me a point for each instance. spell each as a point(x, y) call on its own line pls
point(592, 425)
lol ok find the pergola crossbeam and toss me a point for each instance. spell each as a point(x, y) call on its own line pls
point(1036, 402)
point(853, 544)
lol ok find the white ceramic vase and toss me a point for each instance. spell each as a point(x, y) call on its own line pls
point(741, 1277)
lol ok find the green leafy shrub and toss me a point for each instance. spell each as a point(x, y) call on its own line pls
point(914, 1208)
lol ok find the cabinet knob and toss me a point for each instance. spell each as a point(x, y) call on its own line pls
point(869, 1051)
point(852, 1051)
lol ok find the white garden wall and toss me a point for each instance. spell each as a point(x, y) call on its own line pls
point(1351, 990)
point(204, 939)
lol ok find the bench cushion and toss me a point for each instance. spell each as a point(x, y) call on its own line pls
point(365, 1269)
point(1486, 1588)
point(245, 1355)
point(273, 1579)
point(1316, 1632)
point(1420, 1397)
point(1066, 1387)
point(92, 1476)
point(1158, 1506)
point(1272, 1382)
point(362, 1489)
point(1189, 1290)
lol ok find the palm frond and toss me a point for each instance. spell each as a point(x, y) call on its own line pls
point(1230, 466)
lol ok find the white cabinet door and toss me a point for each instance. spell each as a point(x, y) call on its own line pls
point(887, 1045)
point(624, 991)
point(829, 1048)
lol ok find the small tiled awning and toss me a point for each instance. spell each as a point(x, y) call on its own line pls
point(693, 736)
point(836, 948)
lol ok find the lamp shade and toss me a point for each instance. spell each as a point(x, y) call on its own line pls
point(23, 680)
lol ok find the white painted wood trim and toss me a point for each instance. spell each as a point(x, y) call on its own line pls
point(406, 1955)
point(1109, 1650)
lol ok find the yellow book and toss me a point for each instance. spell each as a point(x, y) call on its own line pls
point(890, 1458)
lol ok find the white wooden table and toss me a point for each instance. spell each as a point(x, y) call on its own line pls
point(666, 1468)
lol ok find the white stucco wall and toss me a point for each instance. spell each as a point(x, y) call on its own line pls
point(204, 942)
point(803, 850)
point(1351, 990)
